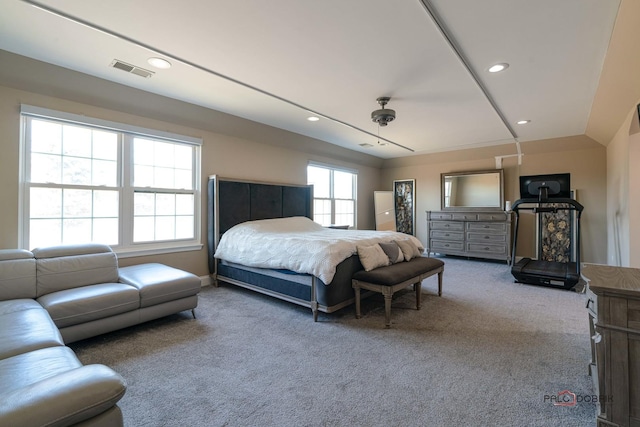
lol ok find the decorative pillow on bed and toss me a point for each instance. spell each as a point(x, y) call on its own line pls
point(372, 257)
point(409, 249)
point(393, 251)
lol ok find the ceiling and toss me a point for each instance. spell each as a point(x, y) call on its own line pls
point(278, 62)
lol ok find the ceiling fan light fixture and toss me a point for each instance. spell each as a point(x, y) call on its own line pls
point(384, 115)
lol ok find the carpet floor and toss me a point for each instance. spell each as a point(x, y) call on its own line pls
point(488, 352)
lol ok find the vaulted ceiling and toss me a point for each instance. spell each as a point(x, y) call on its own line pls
point(279, 62)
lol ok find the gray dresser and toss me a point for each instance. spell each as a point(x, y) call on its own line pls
point(478, 234)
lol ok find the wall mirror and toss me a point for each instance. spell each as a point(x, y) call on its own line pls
point(385, 216)
point(473, 190)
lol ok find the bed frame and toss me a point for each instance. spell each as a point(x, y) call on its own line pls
point(232, 202)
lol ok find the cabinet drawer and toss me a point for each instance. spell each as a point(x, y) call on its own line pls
point(446, 235)
point(486, 237)
point(437, 245)
point(465, 216)
point(447, 225)
point(489, 249)
point(487, 227)
point(440, 215)
point(498, 216)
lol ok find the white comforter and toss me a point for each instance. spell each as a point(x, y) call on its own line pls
point(297, 244)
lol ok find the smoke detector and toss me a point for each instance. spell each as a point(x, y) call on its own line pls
point(384, 115)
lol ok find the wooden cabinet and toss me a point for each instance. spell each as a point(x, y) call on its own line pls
point(479, 234)
point(613, 304)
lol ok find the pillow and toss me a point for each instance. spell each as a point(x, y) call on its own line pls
point(372, 257)
point(393, 251)
point(409, 249)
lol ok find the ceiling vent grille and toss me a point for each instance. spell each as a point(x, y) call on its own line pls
point(120, 65)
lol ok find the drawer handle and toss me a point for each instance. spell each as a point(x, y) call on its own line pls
point(486, 226)
point(487, 249)
point(447, 225)
point(487, 237)
point(446, 246)
point(446, 234)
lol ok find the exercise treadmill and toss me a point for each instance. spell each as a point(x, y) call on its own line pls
point(539, 272)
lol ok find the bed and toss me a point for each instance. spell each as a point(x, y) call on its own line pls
point(244, 208)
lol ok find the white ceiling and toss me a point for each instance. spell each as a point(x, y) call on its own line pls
point(277, 61)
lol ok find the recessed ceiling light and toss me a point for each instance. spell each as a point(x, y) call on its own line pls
point(523, 122)
point(159, 63)
point(313, 119)
point(498, 67)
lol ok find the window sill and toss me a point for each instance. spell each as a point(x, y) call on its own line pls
point(132, 252)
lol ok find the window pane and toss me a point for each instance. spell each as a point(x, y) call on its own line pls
point(143, 228)
point(44, 232)
point(76, 171)
point(321, 180)
point(77, 204)
point(184, 204)
point(105, 204)
point(165, 204)
point(45, 203)
point(345, 212)
point(105, 230)
point(105, 145)
point(183, 157)
point(105, 173)
point(143, 176)
point(144, 204)
point(184, 227)
point(342, 185)
point(165, 228)
point(322, 212)
point(46, 137)
point(76, 230)
point(46, 168)
point(76, 141)
point(163, 178)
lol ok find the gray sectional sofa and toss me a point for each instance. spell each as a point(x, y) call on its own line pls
point(50, 297)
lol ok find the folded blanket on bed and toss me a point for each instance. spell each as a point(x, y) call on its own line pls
point(298, 244)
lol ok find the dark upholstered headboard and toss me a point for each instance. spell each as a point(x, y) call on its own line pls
point(231, 202)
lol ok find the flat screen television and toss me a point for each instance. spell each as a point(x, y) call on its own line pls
point(542, 187)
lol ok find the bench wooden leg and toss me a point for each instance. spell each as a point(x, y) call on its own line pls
point(358, 315)
point(386, 291)
point(418, 288)
point(440, 284)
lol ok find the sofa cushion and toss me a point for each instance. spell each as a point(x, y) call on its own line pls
point(24, 369)
point(87, 303)
point(22, 331)
point(160, 283)
point(17, 274)
point(398, 273)
point(51, 387)
point(13, 305)
point(73, 266)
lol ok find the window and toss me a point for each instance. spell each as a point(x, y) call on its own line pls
point(334, 195)
point(87, 180)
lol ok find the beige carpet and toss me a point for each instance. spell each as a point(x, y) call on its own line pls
point(489, 352)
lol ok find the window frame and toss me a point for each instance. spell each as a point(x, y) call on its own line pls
point(332, 169)
point(125, 186)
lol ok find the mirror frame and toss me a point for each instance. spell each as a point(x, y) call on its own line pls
point(472, 208)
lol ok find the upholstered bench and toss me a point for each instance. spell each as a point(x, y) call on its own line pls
point(390, 279)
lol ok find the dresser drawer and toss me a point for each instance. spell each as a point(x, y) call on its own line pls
point(440, 215)
point(487, 238)
point(459, 216)
point(488, 249)
point(437, 245)
point(498, 216)
point(446, 235)
point(487, 227)
point(447, 225)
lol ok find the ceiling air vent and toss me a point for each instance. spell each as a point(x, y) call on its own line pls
point(131, 69)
